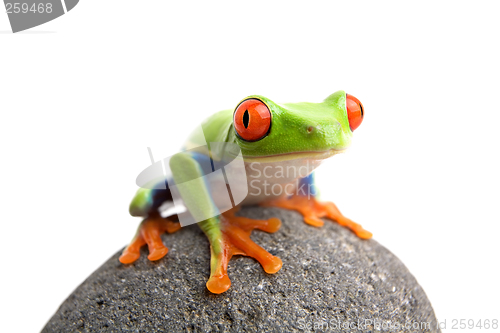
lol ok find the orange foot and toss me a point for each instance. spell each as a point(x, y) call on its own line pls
point(149, 232)
point(312, 210)
point(235, 240)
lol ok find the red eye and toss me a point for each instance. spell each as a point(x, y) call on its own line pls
point(252, 119)
point(355, 111)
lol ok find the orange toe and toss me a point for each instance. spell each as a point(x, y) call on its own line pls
point(273, 265)
point(218, 284)
point(157, 254)
point(129, 257)
point(364, 234)
point(274, 224)
point(314, 221)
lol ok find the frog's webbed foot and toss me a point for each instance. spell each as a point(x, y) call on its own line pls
point(149, 232)
point(313, 210)
point(235, 240)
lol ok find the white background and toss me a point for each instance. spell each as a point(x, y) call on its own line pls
point(83, 96)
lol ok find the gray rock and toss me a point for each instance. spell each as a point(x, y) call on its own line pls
point(329, 276)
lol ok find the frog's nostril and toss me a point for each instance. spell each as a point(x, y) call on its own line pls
point(310, 129)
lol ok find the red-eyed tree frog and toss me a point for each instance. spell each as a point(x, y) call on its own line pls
point(274, 139)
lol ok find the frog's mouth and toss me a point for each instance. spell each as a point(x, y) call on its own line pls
point(311, 155)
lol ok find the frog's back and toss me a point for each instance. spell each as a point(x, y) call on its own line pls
point(213, 129)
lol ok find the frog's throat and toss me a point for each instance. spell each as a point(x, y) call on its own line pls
point(315, 155)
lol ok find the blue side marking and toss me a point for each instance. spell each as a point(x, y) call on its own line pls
point(307, 185)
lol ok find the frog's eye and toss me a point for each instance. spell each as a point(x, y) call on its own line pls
point(252, 119)
point(355, 111)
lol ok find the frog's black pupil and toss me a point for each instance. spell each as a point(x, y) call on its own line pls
point(361, 107)
point(246, 119)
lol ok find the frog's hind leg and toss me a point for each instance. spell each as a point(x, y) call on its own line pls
point(313, 210)
point(233, 238)
point(149, 232)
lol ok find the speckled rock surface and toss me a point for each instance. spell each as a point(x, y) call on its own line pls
point(329, 279)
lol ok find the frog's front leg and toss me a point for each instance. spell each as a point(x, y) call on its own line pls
point(304, 201)
point(228, 234)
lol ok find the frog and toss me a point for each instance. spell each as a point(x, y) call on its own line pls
point(271, 138)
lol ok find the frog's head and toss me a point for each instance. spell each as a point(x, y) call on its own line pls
point(263, 128)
